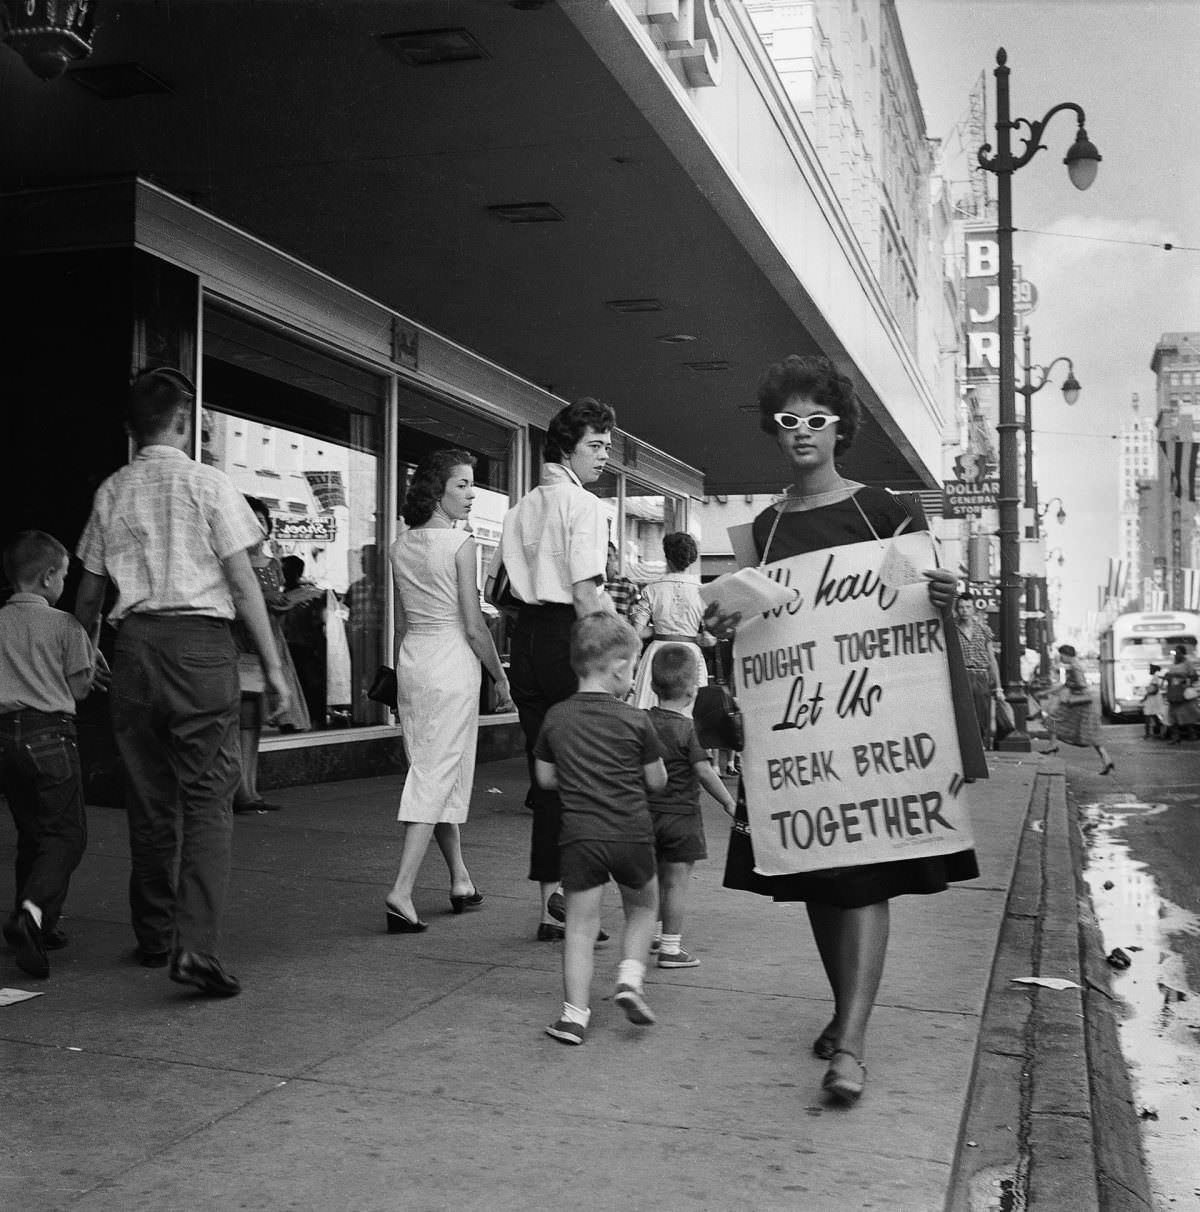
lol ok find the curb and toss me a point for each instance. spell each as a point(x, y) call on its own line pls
point(1121, 1173)
point(1049, 1123)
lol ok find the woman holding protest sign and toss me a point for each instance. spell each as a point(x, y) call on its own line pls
point(810, 411)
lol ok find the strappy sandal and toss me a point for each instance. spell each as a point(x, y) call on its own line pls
point(825, 1045)
point(838, 1086)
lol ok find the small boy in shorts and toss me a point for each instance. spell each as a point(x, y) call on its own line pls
point(678, 827)
point(601, 755)
point(46, 664)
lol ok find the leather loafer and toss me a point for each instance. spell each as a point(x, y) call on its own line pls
point(24, 935)
point(204, 972)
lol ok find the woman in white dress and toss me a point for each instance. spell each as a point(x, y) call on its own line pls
point(441, 638)
point(670, 612)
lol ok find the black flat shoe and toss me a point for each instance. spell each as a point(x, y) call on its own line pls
point(461, 903)
point(397, 923)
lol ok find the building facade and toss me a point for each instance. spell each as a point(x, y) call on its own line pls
point(846, 74)
point(1138, 467)
point(1169, 513)
point(368, 233)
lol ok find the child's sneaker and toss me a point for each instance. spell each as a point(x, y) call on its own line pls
point(634, 1004)
point(567, 1032)
point(677, 959)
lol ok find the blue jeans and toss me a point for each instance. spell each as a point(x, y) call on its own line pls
point(175, 715)
point(40, 774)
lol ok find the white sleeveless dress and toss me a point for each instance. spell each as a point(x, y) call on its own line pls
point(437, 676)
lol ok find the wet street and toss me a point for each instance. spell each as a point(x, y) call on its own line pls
point(1142, 831)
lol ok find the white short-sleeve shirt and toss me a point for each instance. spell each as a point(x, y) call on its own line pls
point(554, 537)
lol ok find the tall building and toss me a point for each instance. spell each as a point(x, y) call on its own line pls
point(1138, 468)
point(844, 68)
point(1169, 514)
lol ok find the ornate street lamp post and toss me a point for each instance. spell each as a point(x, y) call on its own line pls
point(1082, 161)
point(1037, 632)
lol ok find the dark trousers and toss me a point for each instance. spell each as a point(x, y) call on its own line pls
point(175, 717)
point(41, 776)
point(539, 676)
point(981, 696)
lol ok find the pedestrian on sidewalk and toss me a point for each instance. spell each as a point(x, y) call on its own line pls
point(679, 841)
point(1075, 715)
point(269, 571)
point(626, 594)
point(441, 640)
point(671, 612)
point(554, 548)
point(174, 535)
point(601, 755)
point(811, 412)
point(46, 665)
point(1183, 704)
point(976, 640)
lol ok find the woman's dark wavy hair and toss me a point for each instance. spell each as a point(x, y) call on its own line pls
point(568, 424)
point(680, 549)
point(428, 484)
point(260, 509)
point(816, 379)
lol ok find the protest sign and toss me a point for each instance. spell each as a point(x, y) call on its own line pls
point(851, 750)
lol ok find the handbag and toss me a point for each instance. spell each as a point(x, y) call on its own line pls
point(383, 687)
point(715, 713)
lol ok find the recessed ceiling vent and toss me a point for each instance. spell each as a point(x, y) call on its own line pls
point(628, 307)
point(707, 368)
point(526, 212)
point(434, 47)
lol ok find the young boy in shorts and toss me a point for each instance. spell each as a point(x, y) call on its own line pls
point(601, 755)
point(678, 827)
point(46, 664)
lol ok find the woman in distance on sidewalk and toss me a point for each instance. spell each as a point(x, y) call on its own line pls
point(441, 638)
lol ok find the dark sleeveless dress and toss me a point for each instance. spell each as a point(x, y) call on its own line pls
point(799, 533)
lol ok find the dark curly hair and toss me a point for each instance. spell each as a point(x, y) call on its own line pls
point(815, 379)
point(260, 510)
point(428, 484)
point(567, 426)
point(680, 549)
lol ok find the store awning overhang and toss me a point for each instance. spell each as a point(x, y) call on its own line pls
point(303, 125)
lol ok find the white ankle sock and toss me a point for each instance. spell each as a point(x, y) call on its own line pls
point(631, 972)
point(575, 1014)
point(670, 944)
point(34, 912)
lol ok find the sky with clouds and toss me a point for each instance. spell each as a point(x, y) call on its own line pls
point(1103, 300)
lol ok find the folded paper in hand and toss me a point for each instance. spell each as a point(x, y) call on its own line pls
point(747, 592)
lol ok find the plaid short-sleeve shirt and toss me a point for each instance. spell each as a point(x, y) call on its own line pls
point(160, 529)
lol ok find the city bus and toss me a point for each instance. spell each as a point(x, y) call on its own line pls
point(1129, 645)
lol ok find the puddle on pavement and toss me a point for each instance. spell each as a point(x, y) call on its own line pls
point(1160, 1030)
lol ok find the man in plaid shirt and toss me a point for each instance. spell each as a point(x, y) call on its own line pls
point(624, 592)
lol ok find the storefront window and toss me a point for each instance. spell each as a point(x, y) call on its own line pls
point(427, 424)
point(303, 432)
point(648, 516)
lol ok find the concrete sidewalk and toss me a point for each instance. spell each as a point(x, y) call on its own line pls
point(360, 1070)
